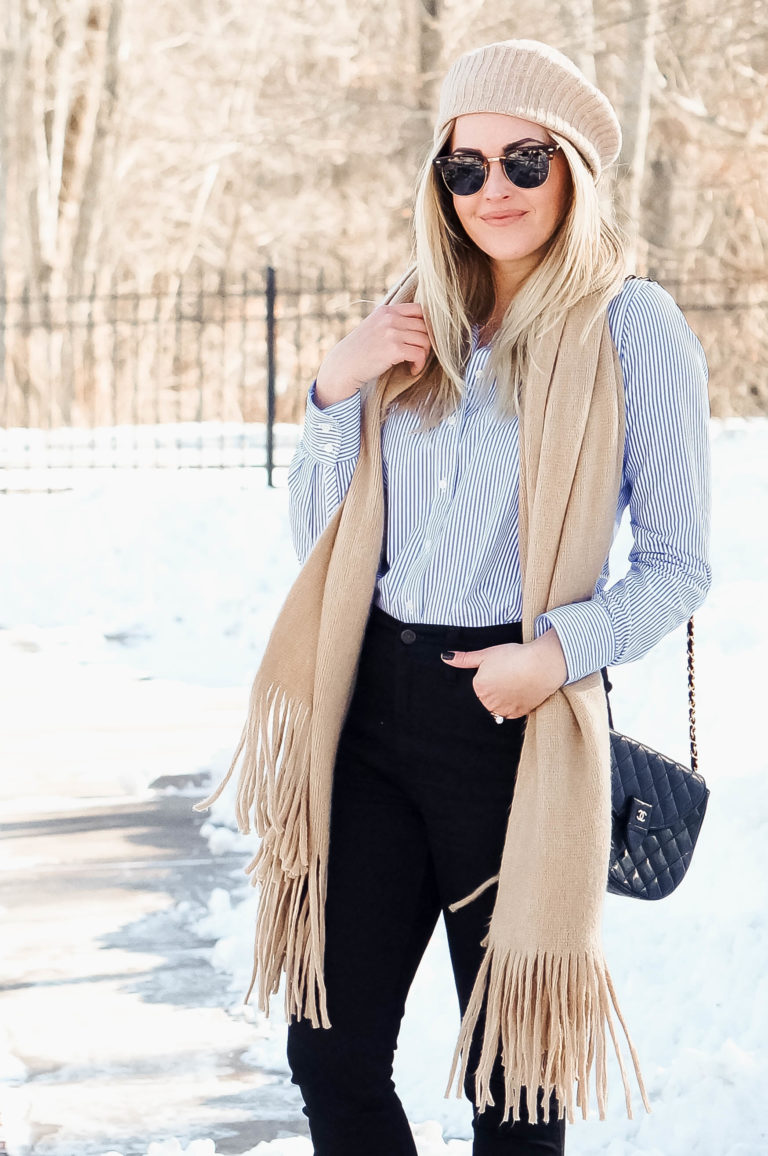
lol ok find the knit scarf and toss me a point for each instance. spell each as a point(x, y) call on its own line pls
point(543, 985)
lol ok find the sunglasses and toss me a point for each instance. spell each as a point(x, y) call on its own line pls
point(525, 164)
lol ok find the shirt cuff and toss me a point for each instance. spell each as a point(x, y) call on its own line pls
point(332, 434)
point(585, 632)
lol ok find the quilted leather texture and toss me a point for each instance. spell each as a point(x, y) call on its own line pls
point(658, 807)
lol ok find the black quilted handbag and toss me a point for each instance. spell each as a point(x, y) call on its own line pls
point(657, 806)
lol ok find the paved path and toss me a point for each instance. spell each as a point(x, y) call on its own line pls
point(107, 997)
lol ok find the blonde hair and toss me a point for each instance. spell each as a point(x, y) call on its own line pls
point(456, 290)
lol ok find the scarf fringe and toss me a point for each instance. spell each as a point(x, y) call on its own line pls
point(473, 895)
point(288, 937)
point(274, 785)
point(546, 1014)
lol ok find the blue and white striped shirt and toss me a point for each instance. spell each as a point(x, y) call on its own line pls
point(452, 495)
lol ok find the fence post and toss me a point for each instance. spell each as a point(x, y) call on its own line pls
point(271, 295)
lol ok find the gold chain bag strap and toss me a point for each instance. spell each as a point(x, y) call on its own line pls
point(657, 807)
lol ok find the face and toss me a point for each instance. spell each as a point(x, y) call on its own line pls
point(512, 225)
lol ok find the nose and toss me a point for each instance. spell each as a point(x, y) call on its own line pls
point(497, 183)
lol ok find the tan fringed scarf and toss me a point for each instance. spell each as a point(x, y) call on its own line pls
point(543, 982)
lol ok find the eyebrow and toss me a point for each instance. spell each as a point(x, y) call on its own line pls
point(511, 145)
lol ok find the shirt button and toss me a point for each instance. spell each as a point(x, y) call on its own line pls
point(443, 483)
point(428, 544)
point(329, 448)
point(326, 426)
point(451, 422)
point(408, 636)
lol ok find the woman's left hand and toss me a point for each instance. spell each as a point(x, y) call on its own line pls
point(516, 677)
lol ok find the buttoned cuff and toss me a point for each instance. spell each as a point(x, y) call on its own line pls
point(332, 434)
point(585, 633)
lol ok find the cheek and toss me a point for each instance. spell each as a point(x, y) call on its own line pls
point(562, 189)
point(459, 205)
point(463, 208)
point(552, 214)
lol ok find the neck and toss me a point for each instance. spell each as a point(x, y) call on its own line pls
point(508, 278)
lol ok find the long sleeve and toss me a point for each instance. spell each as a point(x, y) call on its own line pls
point(321, 468)
point(667, 485)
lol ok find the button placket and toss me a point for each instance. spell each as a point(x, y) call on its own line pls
point(446, 473)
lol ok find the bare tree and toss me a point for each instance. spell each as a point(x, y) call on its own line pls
point(640, 75)
point(138, 140)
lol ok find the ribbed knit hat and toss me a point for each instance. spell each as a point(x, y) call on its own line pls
point(530, 80)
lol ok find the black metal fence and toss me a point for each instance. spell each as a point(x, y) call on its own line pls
point(208, 371)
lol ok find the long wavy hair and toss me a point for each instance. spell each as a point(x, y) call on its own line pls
point(455, 288)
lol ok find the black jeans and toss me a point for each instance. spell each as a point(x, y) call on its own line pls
point(422, 786)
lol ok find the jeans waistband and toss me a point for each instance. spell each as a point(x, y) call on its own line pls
point(445, 636)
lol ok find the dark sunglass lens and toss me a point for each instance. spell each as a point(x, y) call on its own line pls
point(527, 168)
point(463, 176)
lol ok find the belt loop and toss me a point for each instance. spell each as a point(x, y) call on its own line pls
point(453, 636)
point(452, 640)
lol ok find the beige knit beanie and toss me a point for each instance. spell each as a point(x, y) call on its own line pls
point(535, 82)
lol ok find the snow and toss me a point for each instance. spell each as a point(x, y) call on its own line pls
point(428, 1137)
point(168, 444)
point(131, 621)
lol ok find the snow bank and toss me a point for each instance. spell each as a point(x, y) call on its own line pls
point(133, 619)
point(428, 1137)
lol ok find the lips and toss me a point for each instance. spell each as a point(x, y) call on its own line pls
point(503, 218)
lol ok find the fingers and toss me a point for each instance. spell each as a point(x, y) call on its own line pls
point(390, 335)
point(409, 334)
point(417, 341)
point(406, 309)
point(392, 317)
point(416, 350)
point(410, 324)
point(465, 659)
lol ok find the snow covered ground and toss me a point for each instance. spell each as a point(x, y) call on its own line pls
point(134, 606)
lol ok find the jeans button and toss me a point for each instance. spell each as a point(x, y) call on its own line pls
point(408, 636)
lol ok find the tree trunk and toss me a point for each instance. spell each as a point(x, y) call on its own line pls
point(429, 50)
point(578, 22)
point(6, 62)
point(105, 107)
point(639, 75)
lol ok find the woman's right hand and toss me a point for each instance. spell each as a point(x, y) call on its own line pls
point(390, 335)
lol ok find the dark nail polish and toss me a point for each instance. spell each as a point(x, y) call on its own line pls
point(448, 655)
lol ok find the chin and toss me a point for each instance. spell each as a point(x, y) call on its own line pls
point(533, 251)
point(513, 253)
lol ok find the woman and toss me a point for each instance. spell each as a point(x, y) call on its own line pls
point(428, 729)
